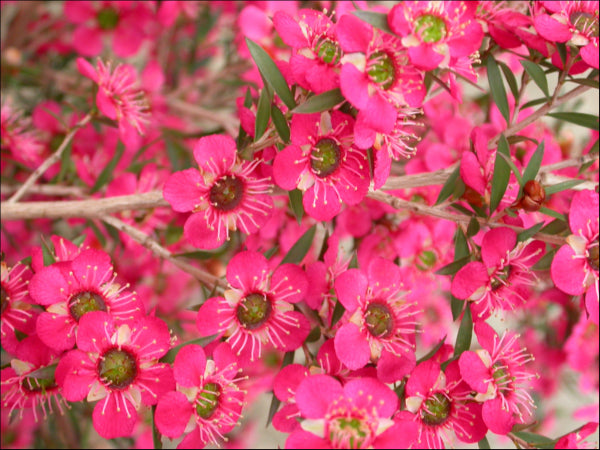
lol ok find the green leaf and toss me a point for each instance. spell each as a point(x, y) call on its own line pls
point(296, 204)
point(263, 114)
point(281, 124)
point(319, 103)
point(456, 306)
point(156, 441)
point(108, 172)
point(517, 138)
point(432, 352)
point(497, 88)
point(537, 75)
point(536, 440)
point(510, 78)
point(269, 253)
point(514, 169)
point(465, 332)
point(562, 52)
point(552, 213)
point(301, 247)
point(338, 312)
point(378, 20)
point(584, 120)
point(273, 407)
point(453, 267)
point(314, 334)
point(474, 227)
point(586, 82)
point(48, 253)
point(501, 174)
point(171, 354)
point(461, 247)
point(555, 227)
point(449, 186)
point(271, 73)
point(524, 235)
point(101, 238)
point(533, 166)
point(484, 444)
point(537, 101)
point(545, 262)
point(563, 186)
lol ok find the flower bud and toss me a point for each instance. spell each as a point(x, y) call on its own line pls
point(534, 196)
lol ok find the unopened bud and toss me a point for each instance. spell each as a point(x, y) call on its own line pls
point(534, 196)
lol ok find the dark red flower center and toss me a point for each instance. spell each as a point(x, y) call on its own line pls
point(585, 22)
point(253, 311)
point(436, 409)
point(325, 157)
point(328, 50)
point(379, 320)
point(34, 385)
point(381, 70)
point(349, 431)
point(117, 368)
point(430, 28)
point(3, 299)
point(226, 193)
point(108, 18)
point(593, 256)
point(84, 302)
point(208, 400)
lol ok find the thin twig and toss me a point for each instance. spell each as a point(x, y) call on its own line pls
point(55, 157)
point(229, 122)
point(51, 190)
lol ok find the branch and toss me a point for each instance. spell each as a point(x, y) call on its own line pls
point(425, 210)
point(51, 190)
point(145, 240)
point(46, 164)
point(229, 123)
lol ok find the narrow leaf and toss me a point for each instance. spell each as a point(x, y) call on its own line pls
point(586, 82)
point(453, 267)
point(537, 101)
point(456, 306)
point(273, 407)
point(473, 227)
point(301, 247)
point(338, 312)
point(510, 78)
point(449, 186)
point(107, 173)
point(555, 227)
point(271, 73)
point(562, 52)
point(536, 440)
point(484, 444)
point(281, 124)
point(545, 262)
point(584, 120)
point(533, 166)
point(378, 20)
point(461, 247)
point(432, 352)
point(465, 332)
point(524, 235)
point(537, 75)
point(48, 253)
point(501, 175)
point(156, 440)
point(320, 103)
point(269, 253)
point(552, 213)
point(563, 186)
point(263, 114)
point(497, 88)
point(296, 204)
point(171, 354)
point(514, 169)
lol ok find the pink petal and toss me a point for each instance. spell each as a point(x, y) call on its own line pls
point(298, 333)
point(87, 41)
point(583, 215)
point(423, 378)
point(303, 127)
point(289, 30)
point(469, 279)
point(173, 412)
point(287, 380)
point(402, 434)
point(200, 235)
point(56, 331)
point(471, 173)
point(225, 360)
point(184, 190)
point(371, 394)
point(317, 284)
point(110, 418)
point(95, 330)
point(486, 336)
point(289, 283)
point(467, 41)
point(284, 420)
point(496, 244)
point(126, 41)
point(589, 53)
point(156, 382)
point(350, 286)
point(424, 57)
point(383, 166)
point(78, 11)
point(384, 273)
point(473, 371)
point(591, 303)
point(244, 267)
point(315, 394)
point(192, 440)
point(380, 114)
point(152, 334)
point(498, 420)
point(74, 374)
point(471, 421)
point(215, 153)
point(352, 347)
point(354, 85)
point(551, 29)
point(211, 316)
point(354, 35)
point(303, 439)
point(106, 104)
point(397, 20)
point(48, 286)
point(92, 268)
point(153, 76)
point(324, 205)
point(568, 271)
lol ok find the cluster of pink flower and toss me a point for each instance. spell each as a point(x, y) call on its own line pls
point(341, 248)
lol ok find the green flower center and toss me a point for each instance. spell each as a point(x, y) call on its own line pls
point(84, 302)
point(3, 299)
point(108, 18)
point(226, 193)
point(500, 278)
point(43, 385)
point(427, 259)
point(501, 377)
point(117, 368)
point(325, 157)
point(348, 432)
point(593, 256)
point(328, 51)
point(585, 22)
point(208, 400)
point(381, 69)
point(430, 28)
point(379, 320)
point(436, 409)
point(253, 311)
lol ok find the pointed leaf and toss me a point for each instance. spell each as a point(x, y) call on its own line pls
point(263, 113)
point(378, 20)
point(108, 172)
point(432, 352)
point(497, 88)
point(456, 306)
point(501, 174)
point(449, 186)
point(453, 267)
point(555, 227)
point(533, 167)
point(296, 204)
point(320, 103)
point(48, 253)
point(465, 332)
point(546, 261)
point(552, 213)
point(529, 232)
point(537, 75)
point(338, 312)
point(562, 186)
point(584, 120)
point(510, 79)
point(484, 444)
point(474, 227)
point(281, 124)
point(301, 247)
point(171, 354)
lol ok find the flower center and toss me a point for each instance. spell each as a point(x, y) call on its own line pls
point(33, 385)
point(436, 409)
point(117, 368)
point(348, 432)
point(325, 157)
point(379, 320)
point(381, 69)
point(208, 400)
point(430, 28)
point(593, 256)
point(253, 311)
point(108, 18)
point(501, 377)
point(226, 193)
point(500, 278)
point(585, 22)
point(84, 302)
point(328, 51)
point(3, 299)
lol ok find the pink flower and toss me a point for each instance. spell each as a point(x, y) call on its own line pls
point(17, 313)
point(380, 326)
point(21, 390)
point(356, 415)
point(71, 289)
point(574, 268)
point(119, 97)
point(19, 138)
point(440, 402)
point(435, 32)
point(500, 279)
point(207, 397)
point(118, 365)
point(257, 311)
point(315, 61)
point(223, 195)
point(322, 162)
point(497, 374)
point(575, 22)
point(575, 439)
